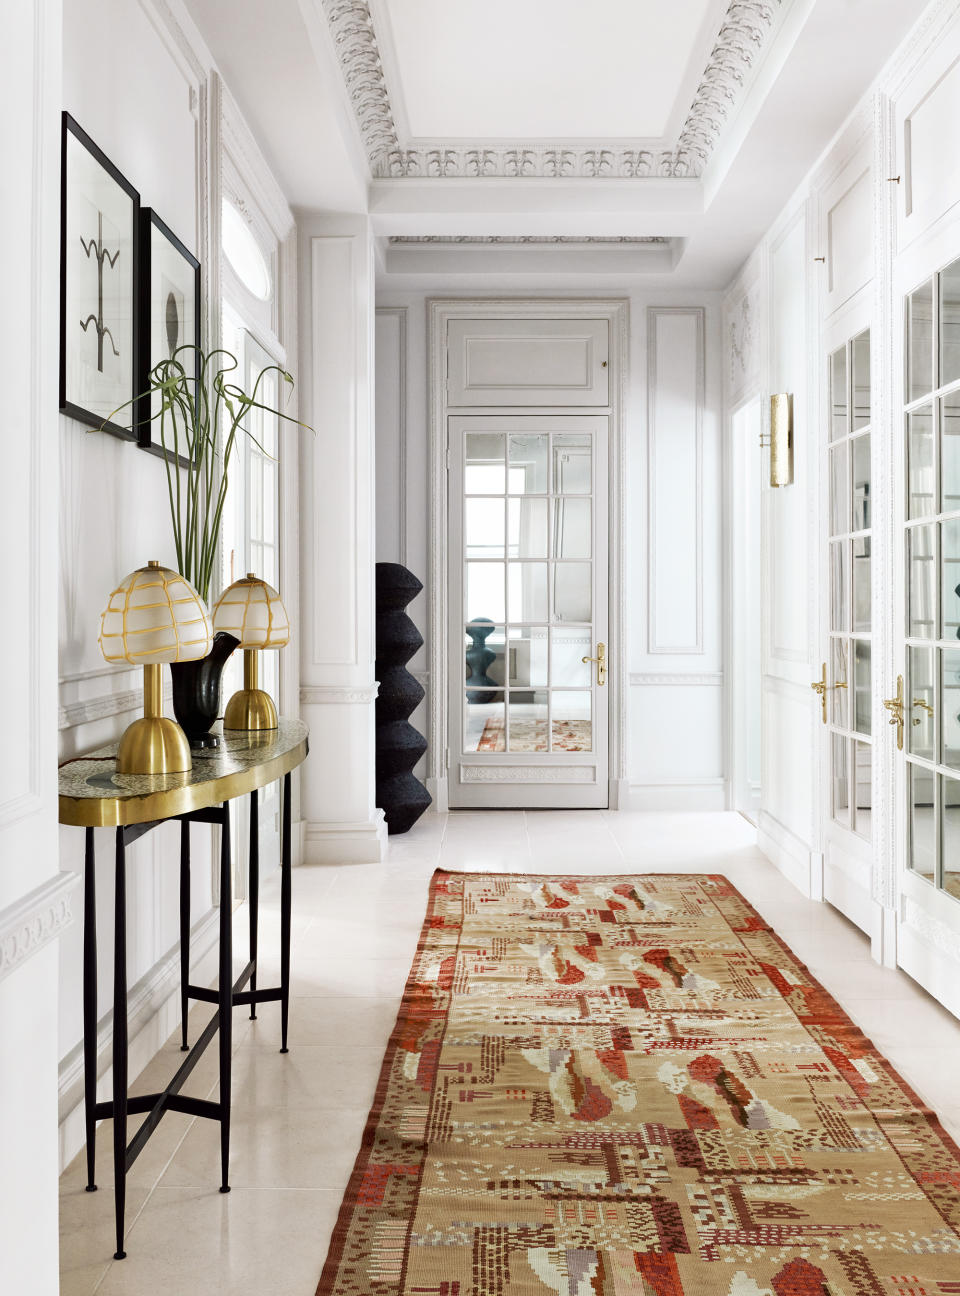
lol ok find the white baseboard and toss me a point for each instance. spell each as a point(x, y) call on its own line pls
point(788, 852)
point(346, 843)
point(695, 795)
point(153, 1014)
point(439, 790)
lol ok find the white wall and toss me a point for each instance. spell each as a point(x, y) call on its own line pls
point(675, 678)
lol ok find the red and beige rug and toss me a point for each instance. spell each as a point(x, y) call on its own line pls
point(630, 1087)
point(531, 735)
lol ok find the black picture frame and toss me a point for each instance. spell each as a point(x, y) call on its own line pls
point(118, 328)
point(150, 310)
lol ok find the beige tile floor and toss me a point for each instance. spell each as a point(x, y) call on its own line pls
point(297, 1120)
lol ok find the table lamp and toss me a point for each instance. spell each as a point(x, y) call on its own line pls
point(253, 611)
point(154, 616)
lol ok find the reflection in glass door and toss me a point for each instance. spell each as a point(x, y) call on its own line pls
point(528, 524)
point(846, 686)
point(932, 557)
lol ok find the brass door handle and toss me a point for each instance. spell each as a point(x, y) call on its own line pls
point(601, 660)
point(895, 706)
point(820, 688)
point(924, 706)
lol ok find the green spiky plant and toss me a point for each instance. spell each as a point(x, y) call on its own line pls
point(200, 418)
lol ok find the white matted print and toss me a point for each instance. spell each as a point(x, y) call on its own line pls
point(98, 274)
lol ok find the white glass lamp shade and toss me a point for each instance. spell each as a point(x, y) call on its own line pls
point(254, 612)
point(154, 616)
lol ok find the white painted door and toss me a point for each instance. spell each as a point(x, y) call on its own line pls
point(845, 681)
point(528, 610)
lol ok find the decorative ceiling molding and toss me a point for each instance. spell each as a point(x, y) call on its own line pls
point(487, 240)
point(747, 27)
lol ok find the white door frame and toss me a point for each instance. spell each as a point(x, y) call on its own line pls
point(744, 794)
point(439, 312)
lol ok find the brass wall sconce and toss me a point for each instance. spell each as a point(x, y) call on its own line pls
point(780, 439)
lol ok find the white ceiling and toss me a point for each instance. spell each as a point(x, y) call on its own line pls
point(543, 69)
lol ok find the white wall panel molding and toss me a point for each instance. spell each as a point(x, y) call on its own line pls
point(655, 679)
point(676, 375)
point(678, 796)
point(319, 695)
point(34, 920)
point(557, 774)
point(747, 28)
point(87, 710)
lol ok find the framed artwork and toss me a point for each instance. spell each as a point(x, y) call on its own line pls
point(99, 232)
point(169, 313)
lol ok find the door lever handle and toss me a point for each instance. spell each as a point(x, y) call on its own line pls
point(601, 660)
point(895, 706)
point(820, 688)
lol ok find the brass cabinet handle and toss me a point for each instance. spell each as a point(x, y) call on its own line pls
point(601, 660)
point(820, 688)
point(895, 706)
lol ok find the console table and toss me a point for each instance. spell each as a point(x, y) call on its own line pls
point(94, 795)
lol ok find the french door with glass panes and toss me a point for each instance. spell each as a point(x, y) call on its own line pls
point(844, 685)
point(528, 611)
point(930, 690)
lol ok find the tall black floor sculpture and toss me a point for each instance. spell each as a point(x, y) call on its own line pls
point(402, 798)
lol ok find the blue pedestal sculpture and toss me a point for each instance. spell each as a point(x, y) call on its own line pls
point(479, 657)
point(402, 798)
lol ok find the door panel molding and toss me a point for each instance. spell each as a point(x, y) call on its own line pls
point(440, 312)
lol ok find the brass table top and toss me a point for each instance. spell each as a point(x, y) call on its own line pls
point(94, 795)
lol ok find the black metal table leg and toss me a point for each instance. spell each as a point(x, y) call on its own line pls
point(254, 893)
point(225, 996)
point(120, 1041)
point(90, 1004)
point(184, 931)
point(285, 899)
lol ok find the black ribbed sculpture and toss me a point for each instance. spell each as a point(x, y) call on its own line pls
point(402, 798)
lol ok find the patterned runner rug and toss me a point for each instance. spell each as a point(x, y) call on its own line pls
point(531, 735)
point(630, 1087)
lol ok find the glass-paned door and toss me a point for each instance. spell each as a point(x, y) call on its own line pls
point(931, 695)
point(846, 683)
point(528, 600)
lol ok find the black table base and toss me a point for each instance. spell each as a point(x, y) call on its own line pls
point(227, 995)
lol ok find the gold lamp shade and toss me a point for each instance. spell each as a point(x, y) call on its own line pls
point(152, 617)
point(254, 612)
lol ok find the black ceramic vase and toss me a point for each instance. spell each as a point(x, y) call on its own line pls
point(196, 690)
point(402, 798)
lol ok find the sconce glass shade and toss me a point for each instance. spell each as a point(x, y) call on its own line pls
point(154, 616)
point(254, 612)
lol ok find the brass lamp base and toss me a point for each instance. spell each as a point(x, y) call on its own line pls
point(250, 707)
point(154, 745)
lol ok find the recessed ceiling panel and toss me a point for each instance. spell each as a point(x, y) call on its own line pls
point(546, 69)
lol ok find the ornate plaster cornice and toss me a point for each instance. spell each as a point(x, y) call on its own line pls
point(747, 27)
point(497, 240)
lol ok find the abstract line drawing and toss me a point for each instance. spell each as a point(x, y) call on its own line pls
point(100, 252)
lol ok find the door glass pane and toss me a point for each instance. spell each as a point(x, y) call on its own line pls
point(528, 464)
point(861, 380)
point(950, 813)
point(527, 522)
point(839, 497)
point(922, 591)
point(861, 583)
point(483, 526)
point(921, 500)
point(838, 393)
point(528, 724)
point(950, 324)
point(863, 788)
point(571, 528)
point(527, 592)
point(572, 463)
point(950, 561)
point(483, 659)
point(919, 712)
point(839, 607)
point(840, 675)
point(862, 710)
point(840, 777)
point(485, 594)
point(923, 826)
point(920, 342)
point(950, 722)
point(571, 592)
point(527, 657)
point(484, 725)
point(485, 470)
point(950, 452)
point(861, 483)
point(568, 649)
point(571, 726)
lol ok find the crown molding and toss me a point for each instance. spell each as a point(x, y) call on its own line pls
point(487, 240)
point(746, 29)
